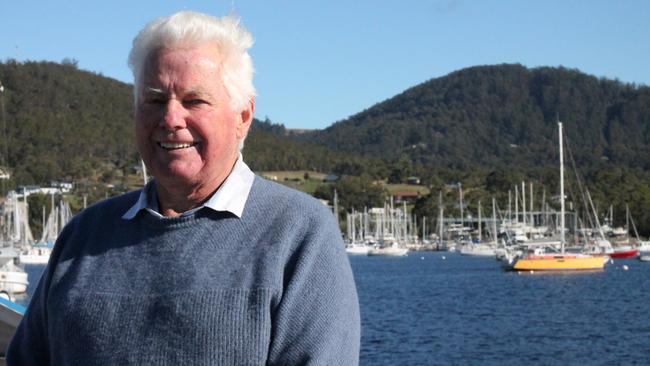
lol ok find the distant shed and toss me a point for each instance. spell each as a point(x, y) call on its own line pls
point(406, 196)
point(331, 178)
point(413, 180)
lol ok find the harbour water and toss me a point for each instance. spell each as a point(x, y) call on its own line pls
point(34, 272)
point(460, 310)
point(438, 308)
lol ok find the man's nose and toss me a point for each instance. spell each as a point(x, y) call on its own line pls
point(174, 116)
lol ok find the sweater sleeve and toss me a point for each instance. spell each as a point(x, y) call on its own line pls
point(317, 321)
point(29, 345)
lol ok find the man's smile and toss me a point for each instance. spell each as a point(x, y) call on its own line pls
point(176, 145)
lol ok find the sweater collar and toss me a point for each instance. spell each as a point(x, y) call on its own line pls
point(230, 197)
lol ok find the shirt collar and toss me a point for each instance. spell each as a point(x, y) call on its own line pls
point(230, 197)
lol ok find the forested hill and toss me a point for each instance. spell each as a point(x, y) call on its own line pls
point(66, 123)
point(63, 123)
point(503, 115)
point(489, 127)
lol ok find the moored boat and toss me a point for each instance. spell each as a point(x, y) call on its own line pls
point(480, 250)
point(357, 249)
point(394, 250)
point(560, 262)
point(13, 279)
point(621, 253)
point(37, 254)
point(540, 261)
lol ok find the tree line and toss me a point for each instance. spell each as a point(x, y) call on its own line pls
point(489, 127)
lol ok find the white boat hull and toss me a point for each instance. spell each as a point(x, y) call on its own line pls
point(478, 251)
point(33, 258)
point(390, 251)
point(13, 281)
point(357, 250)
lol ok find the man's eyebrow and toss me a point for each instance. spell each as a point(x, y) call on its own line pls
point(151, 90)
point(194, 92)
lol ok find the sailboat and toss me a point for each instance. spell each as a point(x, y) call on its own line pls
point(643, 246)
point(356, 244)
point(617, 245)
point(479, 249)
point(13, 278)
point(623, 248)
point(39, 253)
point(539, 260)
point(390, 248)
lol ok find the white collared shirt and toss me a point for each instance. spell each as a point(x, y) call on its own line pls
point(231, 196)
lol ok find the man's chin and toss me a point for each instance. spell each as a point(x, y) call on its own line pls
point(176, 177)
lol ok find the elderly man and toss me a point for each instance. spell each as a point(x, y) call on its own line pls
point(208, 264)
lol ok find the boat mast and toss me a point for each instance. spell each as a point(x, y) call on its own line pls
point(627, 223)
point(460, 194)
point(523, 205)
point(510, 206)
point(441, 222)
point(532, 216)
point(516, 204)
point(479, 221)
point(424, 224)
point(636, 233)
point(494, 221)
point(561, 189)
point(544, 209)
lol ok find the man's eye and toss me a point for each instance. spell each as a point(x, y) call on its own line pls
point(191, 102)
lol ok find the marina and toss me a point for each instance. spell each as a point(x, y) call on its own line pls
point(532, 241)
point(439, 308)
point(442, 308)
point(534, 286)
point(428, 131)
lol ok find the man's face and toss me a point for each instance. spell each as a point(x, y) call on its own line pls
point(186, 130)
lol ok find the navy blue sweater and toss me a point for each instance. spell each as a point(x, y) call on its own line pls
point(273, 287)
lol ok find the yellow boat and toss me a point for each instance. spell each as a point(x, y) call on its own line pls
point(560, 262)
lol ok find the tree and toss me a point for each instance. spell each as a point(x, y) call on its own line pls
point(354, 192)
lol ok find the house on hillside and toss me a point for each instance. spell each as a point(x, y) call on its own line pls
point(63, 187)
point(405, 196)
point(413, 180)
point(54, 188)
point(330, 178)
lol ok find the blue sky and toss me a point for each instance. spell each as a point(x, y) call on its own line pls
point(318, 62)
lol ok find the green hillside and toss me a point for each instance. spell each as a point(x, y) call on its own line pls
point(503, 115)
point(489, 127)
point(63, 123)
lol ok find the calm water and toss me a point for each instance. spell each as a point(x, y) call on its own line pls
point(426, 310)
point(33, 275)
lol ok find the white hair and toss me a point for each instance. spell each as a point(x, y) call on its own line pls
point(187, 29)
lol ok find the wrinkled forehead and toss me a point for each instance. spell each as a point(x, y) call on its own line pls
point(206, 57)
point(182, 72)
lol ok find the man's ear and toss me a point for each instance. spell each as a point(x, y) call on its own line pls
point(246, 118)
